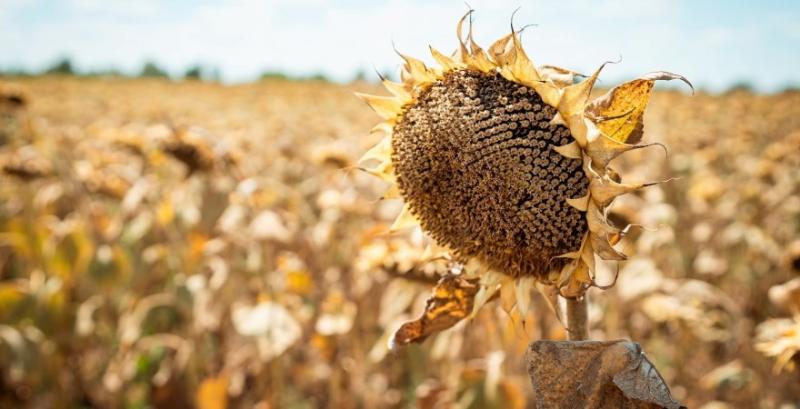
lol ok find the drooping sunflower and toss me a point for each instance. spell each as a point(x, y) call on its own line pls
point(505, 165)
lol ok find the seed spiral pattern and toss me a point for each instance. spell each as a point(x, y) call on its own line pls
point(474, 160)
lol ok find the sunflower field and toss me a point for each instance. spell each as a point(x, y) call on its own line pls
point(179, 244)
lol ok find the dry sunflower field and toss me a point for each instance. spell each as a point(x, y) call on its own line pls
point(175, 244)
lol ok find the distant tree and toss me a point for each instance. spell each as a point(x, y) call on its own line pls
point(360, 76)
point(282, 76)
point(15, 72)
point(790, 89)
point(61, 67)
point(274, 75)
point(317, 77)
point(194, 72)
point(150, 69)
point(741, 86)
point(105, 72)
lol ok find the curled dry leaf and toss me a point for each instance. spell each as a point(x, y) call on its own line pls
point(619, 113)
point(451, 302)
point(594, 374)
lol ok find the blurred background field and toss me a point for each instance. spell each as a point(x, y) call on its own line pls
point(183, 222)
point(171, 244)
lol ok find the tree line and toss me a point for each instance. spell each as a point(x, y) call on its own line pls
point(151, 69)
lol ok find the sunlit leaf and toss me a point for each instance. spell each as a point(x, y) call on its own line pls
point(619, 113)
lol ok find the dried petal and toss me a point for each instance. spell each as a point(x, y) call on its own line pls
point(499, 50)
point(416, 72)
point(386, 107)
point(562, 77)
point(604, 190)
point(478, 57)
point(462, 54)
point(404, 220)
point(489, 284)
point(446, 62)
point(580, 203)
point(574, 97)
point(522, 291)
point(382, 151)
point(398, 90)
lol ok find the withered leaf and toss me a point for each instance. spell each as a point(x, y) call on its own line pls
point(451, 301)
point(595, 374)
point(619, 113)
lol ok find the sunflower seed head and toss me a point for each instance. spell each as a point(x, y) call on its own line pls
point(474, 159)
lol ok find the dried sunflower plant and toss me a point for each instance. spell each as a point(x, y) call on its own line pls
point(505, 166)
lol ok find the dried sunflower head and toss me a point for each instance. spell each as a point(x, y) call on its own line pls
point(506, 164)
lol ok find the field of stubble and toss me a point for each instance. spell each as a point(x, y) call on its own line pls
point(168, 244)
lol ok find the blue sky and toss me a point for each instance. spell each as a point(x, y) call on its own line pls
point(713, 43)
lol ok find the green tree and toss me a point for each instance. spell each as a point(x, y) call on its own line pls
point(61, 67)
point(151, 69)
point(194, 72)
point(274, 75)
point(360, 76)
point(317, 77)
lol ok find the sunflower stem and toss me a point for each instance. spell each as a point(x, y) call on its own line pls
point(577, 318)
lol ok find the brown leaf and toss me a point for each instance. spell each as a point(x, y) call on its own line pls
point(451, 302)
point(595, 374)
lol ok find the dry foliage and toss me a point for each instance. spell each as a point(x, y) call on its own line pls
point(596, 375)
point(181, 244)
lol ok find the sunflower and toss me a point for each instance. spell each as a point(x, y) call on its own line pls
point(505, 165)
